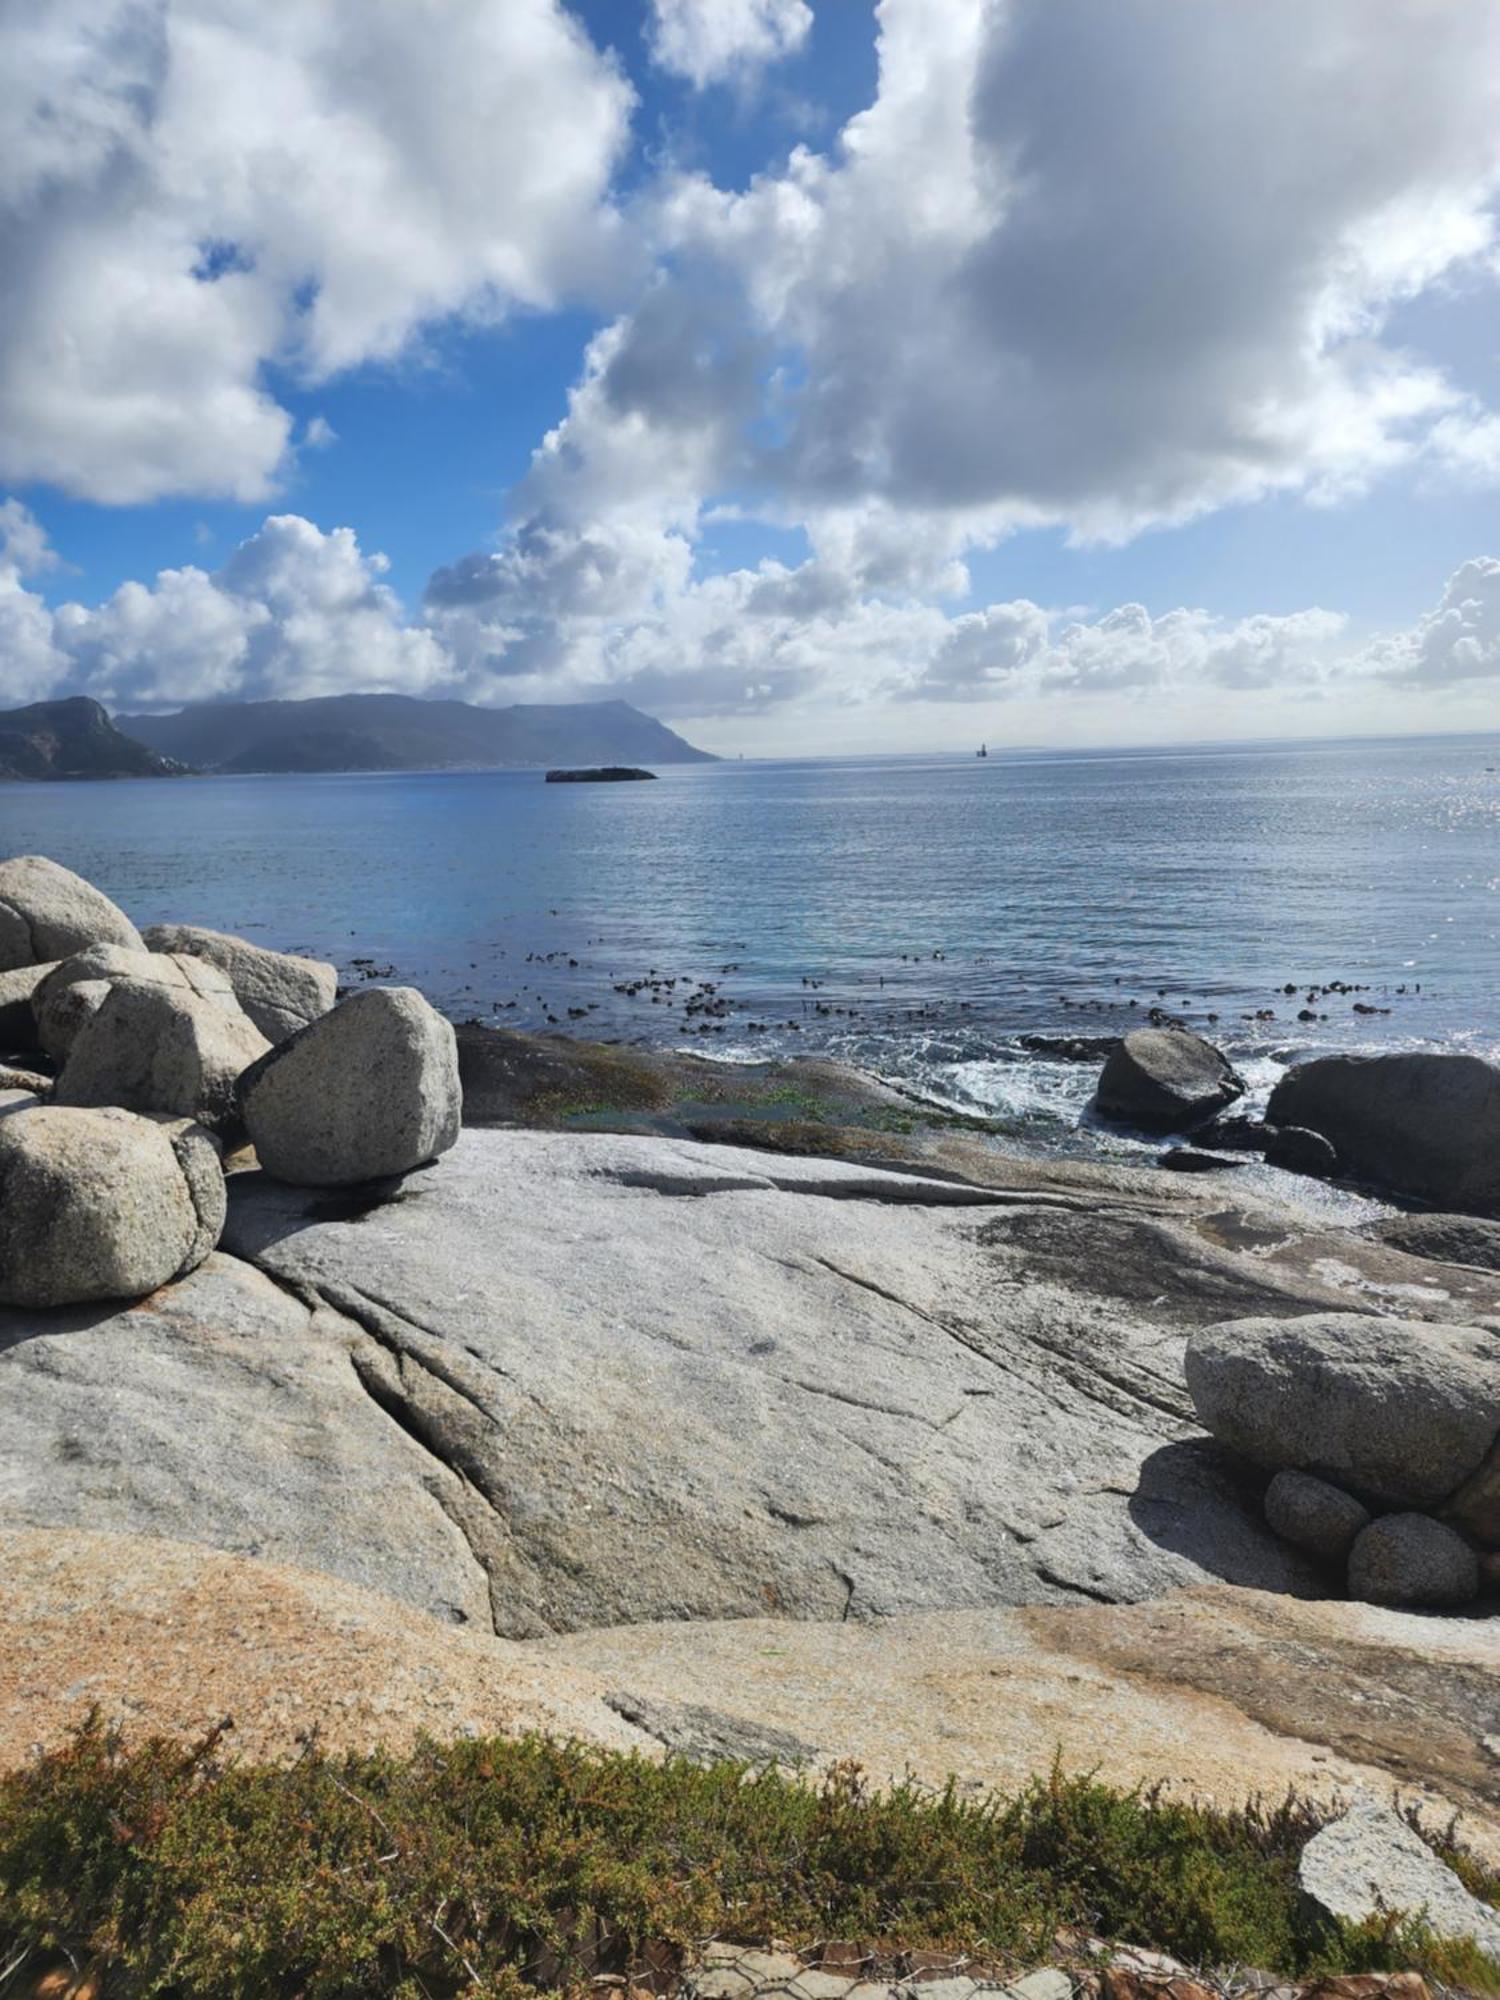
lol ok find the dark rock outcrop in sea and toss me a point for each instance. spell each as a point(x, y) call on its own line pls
point(1166, 1080)
point(1424, 1125)
point(605, 774)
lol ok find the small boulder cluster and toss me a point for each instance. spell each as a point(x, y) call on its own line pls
point(1383, 1440)
point(130, 1062)
point(1419, 1124)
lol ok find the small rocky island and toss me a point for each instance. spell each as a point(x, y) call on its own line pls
point(833, 1433)
point(604, 774)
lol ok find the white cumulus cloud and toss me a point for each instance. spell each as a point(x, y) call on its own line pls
point(192, 189)
point(709, 41)
point(293, 612)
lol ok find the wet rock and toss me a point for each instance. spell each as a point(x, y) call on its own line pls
point(279, 991)
point(1236, 1134)
point(1314, 1515)
point(1188, 1160)
point(1400, 1411)
point(1425, 1125)
point(366, 1092)
point(152, 1048)
point(1069, 1048)
point(1297, 1151)
point(1412, 1560)
point(102, 1204)
point(1371, 1863)
point(1166, 1080)
point(1450, 1239)
point(47, 912)
point(75, 989)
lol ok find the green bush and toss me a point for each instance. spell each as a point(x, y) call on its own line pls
point(500, 1867)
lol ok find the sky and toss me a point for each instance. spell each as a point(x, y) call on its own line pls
point(820, 376)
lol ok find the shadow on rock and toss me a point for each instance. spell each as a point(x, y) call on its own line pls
point(1194, 1501)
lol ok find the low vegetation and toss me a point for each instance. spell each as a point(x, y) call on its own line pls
point(507, 1866)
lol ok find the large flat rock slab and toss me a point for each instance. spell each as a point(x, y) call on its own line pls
point(688, 1381)
point(222, 1410)
point(568, 1380)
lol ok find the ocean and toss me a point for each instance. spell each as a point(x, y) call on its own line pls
point(921, 916)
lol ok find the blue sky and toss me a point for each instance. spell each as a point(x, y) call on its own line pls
point(813, 373)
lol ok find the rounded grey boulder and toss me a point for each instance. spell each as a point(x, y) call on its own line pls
point(368, 1091)
point(1297, 1151)
point(1422, 1124)
point(47, 912)
point(281, 993)
point(155, 1048)
point(1399, 1411)
point(1166, 1080)
point(1412, 1560)
point(74, 990)
point(1313, 1515)
point(102, 1204)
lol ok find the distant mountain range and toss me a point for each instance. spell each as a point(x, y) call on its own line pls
point(73, 739)
point(396, 732)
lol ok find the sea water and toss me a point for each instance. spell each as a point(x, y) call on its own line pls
point(917, 915)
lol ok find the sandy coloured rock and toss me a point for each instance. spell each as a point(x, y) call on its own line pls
point(1166, 1080)
point(155, 1048)
point(1233, 1692)
point(101, 1204)
point(47, 912)
point(368, 1091)
point(279, 991)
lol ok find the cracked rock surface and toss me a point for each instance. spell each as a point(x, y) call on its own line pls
point(574, 1380)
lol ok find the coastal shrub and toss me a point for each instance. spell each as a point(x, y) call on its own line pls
point(506, 1866)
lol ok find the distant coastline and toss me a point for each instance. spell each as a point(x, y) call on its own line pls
point(389, 732)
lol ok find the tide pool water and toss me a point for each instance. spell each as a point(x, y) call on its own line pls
point(918, 915)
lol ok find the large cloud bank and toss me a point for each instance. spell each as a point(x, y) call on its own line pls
point(191, 190)
point(296, 612)
point(1096, 269)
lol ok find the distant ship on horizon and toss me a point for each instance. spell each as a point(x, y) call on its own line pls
point(982, 751)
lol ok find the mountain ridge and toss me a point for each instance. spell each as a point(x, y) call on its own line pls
point(74, 738)
point(393, 732)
